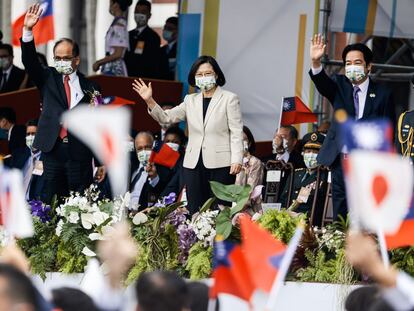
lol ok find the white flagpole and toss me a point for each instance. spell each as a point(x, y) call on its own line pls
point(280, 115)
point(383, 247)
point(284, 267)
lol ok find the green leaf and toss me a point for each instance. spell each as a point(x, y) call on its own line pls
point(229, 193)
point(207, 205)
point(223, 223)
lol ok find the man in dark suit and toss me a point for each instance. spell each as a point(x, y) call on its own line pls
point(356, 94)
point(147, 179)
point(67, 162)
point(143, 59)
point(12, 78)
point(15, 133)
point(169, 51)
point(286, 146)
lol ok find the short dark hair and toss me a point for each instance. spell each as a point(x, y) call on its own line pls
point(175, 130)
point(75, 46)
point(19, 287)
point(292, 131)
point(198, 293)
point(366, 51)
point(123, 4)
point(7, 47)
point(221, 80)
point(160, 291)
point(72, 299)
point(172, 20)
point(32, 122)
point(8, 113)
point(145, 3)
point(252, 142)
point(362, 298)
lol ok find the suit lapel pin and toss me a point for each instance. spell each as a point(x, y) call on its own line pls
point(372, 95)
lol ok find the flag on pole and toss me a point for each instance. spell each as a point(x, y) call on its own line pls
point(367, 135)
point(294, 111)
point(230, 271)
point(405, 234)
point(117, 101)
point(15, 212)
point(379, 189)
point(44, 30)
point(164, 155)
point(104, 130)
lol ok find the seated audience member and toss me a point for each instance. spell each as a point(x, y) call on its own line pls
point(15, 133)
point(169, 51)
point(304, 181)
point(161, 291)
point(252, 170)
point(72, 299)
point(285, 146)
point(165, 126)
point(16, 290)
point(144, 55)
point(148, 179)
point(29, 160)
point(12, 78)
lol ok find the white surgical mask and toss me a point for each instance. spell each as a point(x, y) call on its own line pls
point(205, 83)
point(29, 141)
point(285, 143)
point(355, 73)
point(245, 145)
point(174, 146)
point(64, 66)
point(129, 146)
point(140, 19)
point(167, 35)
point(274, 147)
point(144, 156)
point(310, 160)
point(4, 63)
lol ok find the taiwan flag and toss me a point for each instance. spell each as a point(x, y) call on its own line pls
point(43, 32)
point(117, 101)
point(294, 111)
point(405, 234)
point(164, 155)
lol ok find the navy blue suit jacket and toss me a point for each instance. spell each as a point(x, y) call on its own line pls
point(338, 90)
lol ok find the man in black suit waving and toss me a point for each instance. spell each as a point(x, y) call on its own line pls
point(67, 162)
point(353, 92)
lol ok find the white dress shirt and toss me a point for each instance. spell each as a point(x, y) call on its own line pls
point(139, 185)
point(7, 72)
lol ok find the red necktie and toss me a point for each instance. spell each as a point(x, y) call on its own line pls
point(63, 132)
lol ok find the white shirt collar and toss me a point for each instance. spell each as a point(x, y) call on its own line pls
point(72, 77)
point(141, 29)
point(9, 133)
point(363, 86)
point(7, 72)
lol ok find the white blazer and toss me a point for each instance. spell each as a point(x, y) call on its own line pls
point(219, 137)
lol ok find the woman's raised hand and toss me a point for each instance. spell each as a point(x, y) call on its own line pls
point(142, 89)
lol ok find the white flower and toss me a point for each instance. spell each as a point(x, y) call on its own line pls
point(73, 217)
point(139, 218)
point(96, 236)
point(99, 217)
point(87, 220)
point(59, 227)
point(86, 251)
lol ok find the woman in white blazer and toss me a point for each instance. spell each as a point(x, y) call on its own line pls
point(215, 129)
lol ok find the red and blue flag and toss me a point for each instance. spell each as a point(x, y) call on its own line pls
point(164, 155)
point(44, 30)
point(294, 111)
point(405, 234)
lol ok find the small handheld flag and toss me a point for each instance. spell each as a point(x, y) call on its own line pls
point(163, 154)
point(294, 111)
point(405, 234)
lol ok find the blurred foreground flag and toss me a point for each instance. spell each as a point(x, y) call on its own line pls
point(15, 213)
point(405, 234)
point(44, 30)
point(230, 272)
point(164, 155)
point(294, 111)
point(374, 135)
point(104, 130)
point(379, 189)
point(384, 18)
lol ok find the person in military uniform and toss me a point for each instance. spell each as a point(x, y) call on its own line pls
point(304, 181)
point(405, 133)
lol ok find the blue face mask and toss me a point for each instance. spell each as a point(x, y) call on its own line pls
point(3, 134)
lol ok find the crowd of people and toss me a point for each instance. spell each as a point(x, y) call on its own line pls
point(207, 131)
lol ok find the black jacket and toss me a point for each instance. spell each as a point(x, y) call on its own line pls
point(17, 138)
point(14, 81)
point(148, 63)
point(338, 91)
point(50, 84)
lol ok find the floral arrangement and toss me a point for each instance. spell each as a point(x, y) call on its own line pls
point(96, 98)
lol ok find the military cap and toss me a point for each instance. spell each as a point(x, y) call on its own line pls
point(313, 140)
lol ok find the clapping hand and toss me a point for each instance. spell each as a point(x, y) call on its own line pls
point(142, 89)
point(317, 49)
point(32, 16)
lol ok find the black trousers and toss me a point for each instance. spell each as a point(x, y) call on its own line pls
point(63, 174)
point(198, 186)
point(338, 190)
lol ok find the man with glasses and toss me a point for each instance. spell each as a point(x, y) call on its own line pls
point(67, 162)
